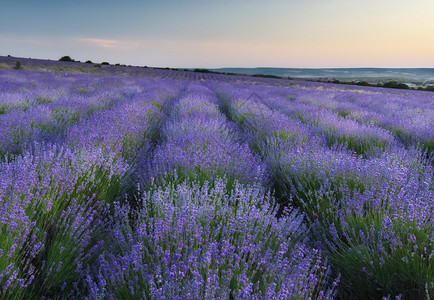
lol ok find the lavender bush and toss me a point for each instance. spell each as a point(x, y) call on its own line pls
point(49, 220)
point(199, 144)
point(195, 241)
point(349, 197)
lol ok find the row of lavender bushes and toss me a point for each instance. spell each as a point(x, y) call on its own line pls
point(142, 188)
point(407, 115)
point(65, 218)
point(56, 195)
point(370, 204)
point(206, 227)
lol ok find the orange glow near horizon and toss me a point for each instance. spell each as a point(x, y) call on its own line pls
point(312, 33)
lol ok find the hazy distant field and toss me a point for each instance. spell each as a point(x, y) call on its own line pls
point(141, 183)
point(416, 76)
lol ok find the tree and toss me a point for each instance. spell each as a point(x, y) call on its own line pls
point(66, 58)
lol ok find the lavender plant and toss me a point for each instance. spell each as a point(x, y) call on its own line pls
point(196, 241)
point(48, 222)
point(332, 186)
point(200, 145)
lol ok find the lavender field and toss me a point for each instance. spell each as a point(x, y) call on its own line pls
point(162, 184)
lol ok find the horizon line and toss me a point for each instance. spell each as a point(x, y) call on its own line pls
point(234, 67)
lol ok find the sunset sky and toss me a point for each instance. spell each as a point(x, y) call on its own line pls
point(223, 33)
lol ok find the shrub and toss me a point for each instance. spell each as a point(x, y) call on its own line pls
point(105, 63)
point(266, 76)
point(89, 62)
point(396, 85)
point(66, 58)
point(202, 71)
point(363, 83)
point(18, 65)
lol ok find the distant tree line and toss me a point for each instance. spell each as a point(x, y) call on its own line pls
point(266, 76)
point(69, 59)
point(389, 84)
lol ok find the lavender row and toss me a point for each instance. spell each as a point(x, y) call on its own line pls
point(410, 120)
point(53, 195)
point(50, 216)
point(49, 120)
point(76, 98)
point(125, 128)
point(408, 117)
point(346, 196)
point(199, 143)
point(362, 138)
point(194, 238)
point(24, 90)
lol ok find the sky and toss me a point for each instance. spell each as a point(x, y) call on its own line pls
point(223, 33)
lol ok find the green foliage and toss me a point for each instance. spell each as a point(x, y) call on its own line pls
point(66, 58)
point(389, 84)
point(3, 109)
point(344, 113)
point(396, 85)
point(202, 71)
point(266, 76)
point(82, 90)
point(381, 267)
point(362, 146)
point(63, 228)
point(428, 145)
point(18, 65)
point(43, 100)
point(158, 105)
point(199, 176)
point(363, 83)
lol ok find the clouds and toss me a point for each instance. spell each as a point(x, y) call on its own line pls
point(110, 44)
